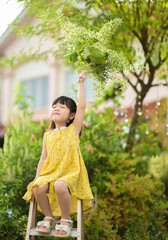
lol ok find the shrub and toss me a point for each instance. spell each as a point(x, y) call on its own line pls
point(98, 224)
point(13, 220)
point(18, 160)
point(22, 147)
point(120, 178)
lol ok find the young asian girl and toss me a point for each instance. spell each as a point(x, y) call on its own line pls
point(61, 176)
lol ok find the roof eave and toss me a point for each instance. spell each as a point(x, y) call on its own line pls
point(8, 35)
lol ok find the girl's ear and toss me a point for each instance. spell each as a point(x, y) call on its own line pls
point(72, 116)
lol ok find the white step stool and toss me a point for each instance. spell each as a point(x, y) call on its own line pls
point(31, 224)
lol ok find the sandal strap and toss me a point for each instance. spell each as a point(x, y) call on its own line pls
point(50, 218)
point(57, 227)
point(64, 228)
point(66, 220)
point(44, 224)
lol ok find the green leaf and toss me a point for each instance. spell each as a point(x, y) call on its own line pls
point(96, 53)
point(72, 57)
point(17, 88)
point(86, 54)
point(79, 47)
point(19, 96)
point(98, 56)
point(99, 60)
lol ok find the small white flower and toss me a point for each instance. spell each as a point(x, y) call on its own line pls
point(125, 129)
point(137, 136)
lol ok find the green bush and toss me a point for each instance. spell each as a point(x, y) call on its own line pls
point(13, 219)
point(22, 147)
point(142, 231)
point(18, 160)
point(98, 224)
point(120, 178)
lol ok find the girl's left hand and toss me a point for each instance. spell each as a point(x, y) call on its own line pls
point(82, 76)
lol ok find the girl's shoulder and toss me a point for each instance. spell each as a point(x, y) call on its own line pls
point(47, 133)
point(71, 128)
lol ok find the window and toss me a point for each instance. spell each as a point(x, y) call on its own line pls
point(38, 89)
point(71, 85)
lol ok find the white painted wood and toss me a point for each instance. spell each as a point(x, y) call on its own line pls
point(33, 232)
point(31, 218)
point(80, 225)
point(31, 225)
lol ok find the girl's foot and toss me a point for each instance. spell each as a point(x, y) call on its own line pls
point(46, 225)
point(63, 229)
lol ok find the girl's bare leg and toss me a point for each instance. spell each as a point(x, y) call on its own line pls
point(63, 194)
point(42, 200)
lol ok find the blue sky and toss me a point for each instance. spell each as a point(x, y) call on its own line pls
point(9, 9)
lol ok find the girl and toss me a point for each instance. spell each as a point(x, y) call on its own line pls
point(61, 176)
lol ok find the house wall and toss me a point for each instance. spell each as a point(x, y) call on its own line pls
point(59, 80)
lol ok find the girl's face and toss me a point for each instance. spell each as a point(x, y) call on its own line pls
point(60, 113)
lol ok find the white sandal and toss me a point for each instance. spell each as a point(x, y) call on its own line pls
point(64, 228)
point(46, 224)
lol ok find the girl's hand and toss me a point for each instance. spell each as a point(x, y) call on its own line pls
point(82, 76)
point(29, 185)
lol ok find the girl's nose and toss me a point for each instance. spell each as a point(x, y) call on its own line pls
point(57, 109)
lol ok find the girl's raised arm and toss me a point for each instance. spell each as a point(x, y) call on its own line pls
point(81, 103)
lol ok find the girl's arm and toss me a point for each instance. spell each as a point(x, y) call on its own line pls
point(81, 103)
point(42, 158)
point(41, 161)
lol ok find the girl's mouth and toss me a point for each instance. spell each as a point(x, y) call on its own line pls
point(56, 113)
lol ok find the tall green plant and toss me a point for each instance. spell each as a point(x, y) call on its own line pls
point(18, 161)
point(22, 142)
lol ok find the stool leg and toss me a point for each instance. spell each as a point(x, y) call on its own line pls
point(80, 223)
point(31, 218)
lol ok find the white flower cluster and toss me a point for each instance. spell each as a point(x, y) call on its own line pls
point(108, 30)
point(90, 50)
point(72, 33)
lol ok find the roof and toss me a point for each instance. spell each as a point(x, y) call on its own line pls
point(8, 35)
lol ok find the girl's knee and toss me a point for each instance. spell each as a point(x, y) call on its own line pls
point(40, 191)
point(36, 190)
point(60, 187)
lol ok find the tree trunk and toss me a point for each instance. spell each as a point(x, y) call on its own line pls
point(134, 121)
point(136, 114)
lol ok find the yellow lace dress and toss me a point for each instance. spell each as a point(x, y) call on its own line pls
point(64, 162)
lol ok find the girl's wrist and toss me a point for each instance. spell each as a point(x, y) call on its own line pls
point(80, 82)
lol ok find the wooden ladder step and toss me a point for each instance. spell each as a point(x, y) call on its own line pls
point(33, 232)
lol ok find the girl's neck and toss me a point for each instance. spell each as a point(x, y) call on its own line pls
point(59, 126)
